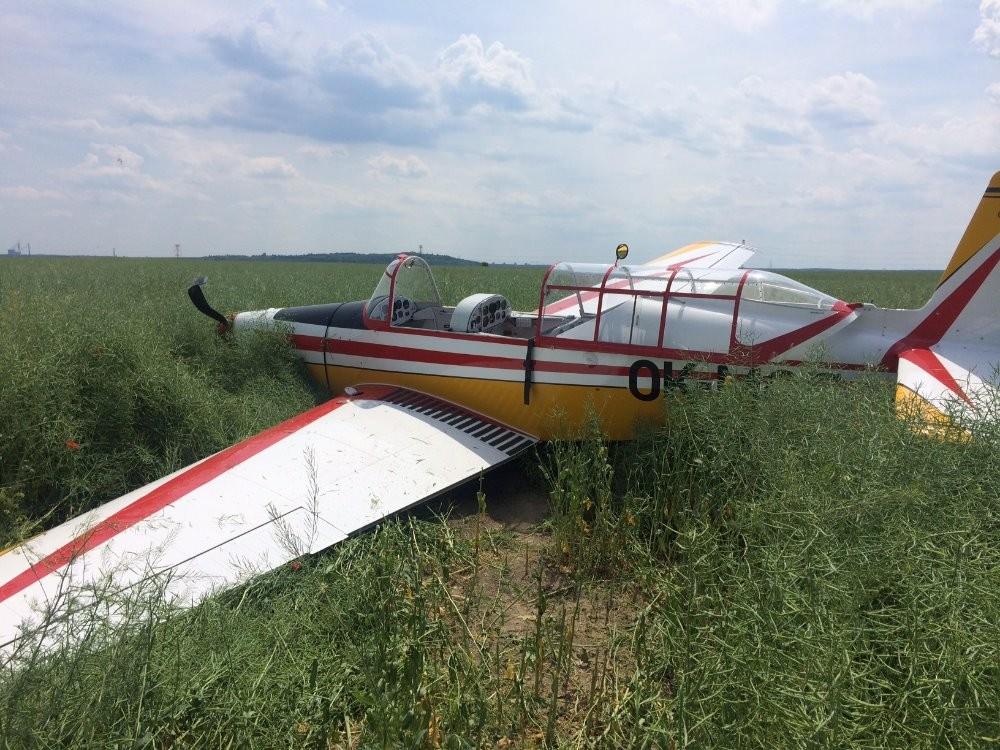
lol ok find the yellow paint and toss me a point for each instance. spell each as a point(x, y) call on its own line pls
point(663, 259)
point(555, 410)
point(984, 226)
point(932, 421)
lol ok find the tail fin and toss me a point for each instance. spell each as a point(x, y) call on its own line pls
point(949, 363)
point(979, 236)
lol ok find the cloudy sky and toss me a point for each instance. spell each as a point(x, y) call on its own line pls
point(846, 133)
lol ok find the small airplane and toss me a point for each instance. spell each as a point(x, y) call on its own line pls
point(427, 396)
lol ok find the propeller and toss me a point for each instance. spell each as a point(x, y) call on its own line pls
point(198, 299)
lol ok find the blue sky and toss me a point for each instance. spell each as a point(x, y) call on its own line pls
point(845, 133)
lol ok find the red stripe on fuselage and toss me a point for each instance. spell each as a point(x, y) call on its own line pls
point(933, 328)
point(741, 355)
point(171, 491)
point(927, 361)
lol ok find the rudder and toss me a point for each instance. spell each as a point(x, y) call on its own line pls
point(983, 227)
point(948, 363)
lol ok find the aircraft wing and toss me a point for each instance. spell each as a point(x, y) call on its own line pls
point(706, 255)
point(295, 488)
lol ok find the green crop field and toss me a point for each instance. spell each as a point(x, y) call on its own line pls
point(778, 566)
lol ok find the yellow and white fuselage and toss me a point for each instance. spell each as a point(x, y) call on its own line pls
point(611, 340)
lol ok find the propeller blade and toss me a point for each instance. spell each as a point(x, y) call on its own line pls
point(198, 299)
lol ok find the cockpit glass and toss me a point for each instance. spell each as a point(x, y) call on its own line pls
point(414, 289)
point(415, 280)
point(570, 294)
point(762, 286)
point(706, 281)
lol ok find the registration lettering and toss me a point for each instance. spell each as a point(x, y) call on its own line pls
point(664, 379)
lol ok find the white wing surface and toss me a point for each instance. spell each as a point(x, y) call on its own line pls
point(296, 488)
point(706, 255)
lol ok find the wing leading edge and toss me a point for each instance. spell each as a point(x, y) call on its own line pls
point(299, 487)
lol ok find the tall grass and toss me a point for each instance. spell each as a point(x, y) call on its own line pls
point(800, 569)
point(109, 378)
point(835, 573)
point(783, 564)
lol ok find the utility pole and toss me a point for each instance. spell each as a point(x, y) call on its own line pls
point(177, 249)
point(420, 249)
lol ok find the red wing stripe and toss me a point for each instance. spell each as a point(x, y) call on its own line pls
point(927, 361)
point(679, 265)
point(169, 492)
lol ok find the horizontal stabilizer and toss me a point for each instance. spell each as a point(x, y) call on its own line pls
point(937, 387)
point(296, 488)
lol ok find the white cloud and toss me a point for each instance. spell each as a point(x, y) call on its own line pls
point(363, 90)
point(237, 127)
point(745, 15)
point(255, 47)
point(987, 34)
point(269, 168)
point(108, 160)
point(493, 76)
point(847, 100)
point(26, 193)
point(115, 171)
point(409, 166)
point(993, 92)
point(315, 151)
point(975, 137)
point(867, 9)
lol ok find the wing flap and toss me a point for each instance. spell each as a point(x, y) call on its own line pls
point(297, 488)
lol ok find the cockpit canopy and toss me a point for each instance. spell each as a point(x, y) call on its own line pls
point(408, 286)
point(589, 288)
point(613, 304)
point(642, 305)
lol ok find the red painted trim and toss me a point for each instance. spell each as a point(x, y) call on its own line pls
point(768, 350)
point(482, 338)
point(736, 310)
point(663, 309)
point(346, 347)
point(933, 328)
point(600, 303)
point(171, 491)
point(306, 343)
point(681, 264)
point(927, 361)
point(739, 353)
point(541, 301)
point(489, 338)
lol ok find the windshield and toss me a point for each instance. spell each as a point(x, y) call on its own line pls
point(408, 279)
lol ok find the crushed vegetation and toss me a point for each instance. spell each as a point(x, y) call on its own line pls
point(783, 564)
